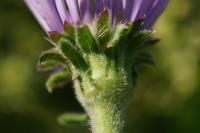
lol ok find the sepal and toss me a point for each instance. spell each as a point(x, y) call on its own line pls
point(71, 52)
point(51, 59)
point(86, 40)
point(118, 34)
point(144, 58)
point(54, 36)
point(57, 80)
point(69, 29)
point(135, 28)
point(139, 42)
point(103, 33)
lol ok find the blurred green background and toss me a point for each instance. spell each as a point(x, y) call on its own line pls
point(167, 98)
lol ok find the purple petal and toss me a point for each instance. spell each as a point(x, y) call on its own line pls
point(106, 3)
point(84, 6)
point(91, 10)
point(113, 9)
point(128, 7)
point(63, 11)
point(116, 10)
point(98, 6)
point(119, 10)
point(145, 6)
point(74, 10)
point(155, 12)
point(46, 13)
point(135, 9)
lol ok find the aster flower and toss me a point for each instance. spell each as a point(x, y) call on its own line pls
point(99, 44)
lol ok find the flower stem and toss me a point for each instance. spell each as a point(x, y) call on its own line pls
point(106, 118)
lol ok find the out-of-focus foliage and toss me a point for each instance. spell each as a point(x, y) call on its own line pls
point(167, 98)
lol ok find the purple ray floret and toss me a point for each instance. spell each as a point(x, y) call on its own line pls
point(63, 11)
point(46, 13)
point(52, 14)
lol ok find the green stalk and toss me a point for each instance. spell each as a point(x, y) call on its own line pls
point(106, 119)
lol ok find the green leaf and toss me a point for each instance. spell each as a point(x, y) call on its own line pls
point(86, 40)
point(72, 119)
point(73, 54)
point(50, 59)
point(57, 80)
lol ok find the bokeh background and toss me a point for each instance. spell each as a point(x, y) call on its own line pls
point(167, 98)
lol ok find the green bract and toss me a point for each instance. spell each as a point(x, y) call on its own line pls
point(72, 119)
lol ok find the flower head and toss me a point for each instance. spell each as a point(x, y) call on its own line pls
point(52, 14)
point(99, 46)
point(101, 42)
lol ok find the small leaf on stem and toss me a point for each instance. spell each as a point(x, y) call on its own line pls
point(72, 119)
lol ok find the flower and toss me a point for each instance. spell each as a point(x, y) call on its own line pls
point(99, 46)
point(52, 14)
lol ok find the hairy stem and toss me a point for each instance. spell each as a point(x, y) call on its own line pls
point(106, 118)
